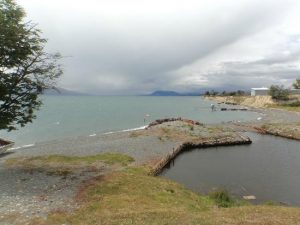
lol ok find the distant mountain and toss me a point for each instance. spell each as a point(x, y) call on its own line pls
point(165, 93)
point(62, 91)
point(172, 93)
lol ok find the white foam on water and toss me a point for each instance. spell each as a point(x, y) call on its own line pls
point(92, 135)
point(27, 146)
point(15, 148)
point(132, 129)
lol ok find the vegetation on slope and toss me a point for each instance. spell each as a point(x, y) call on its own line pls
point(132, 196)
point(293, 106)
point(65, 165)
point(288, 130)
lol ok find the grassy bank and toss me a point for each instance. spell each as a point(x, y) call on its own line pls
point(109, 158)
point(129, 195)
point(132, 196)
point(295, 106)
point(288, 130)
point(259, 102)
point(66, 165)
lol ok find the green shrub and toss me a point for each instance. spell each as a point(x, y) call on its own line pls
point(272, 203)
point(279, 92)
point(222, 198)
point(296, 85)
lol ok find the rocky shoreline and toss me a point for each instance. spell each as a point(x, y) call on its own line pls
point(154, 147)
point(273, 121)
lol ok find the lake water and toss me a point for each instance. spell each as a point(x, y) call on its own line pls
point(67, 116)
point(269, 168)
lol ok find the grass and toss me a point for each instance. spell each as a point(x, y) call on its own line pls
point(289, 107)
point(108, 158)
point(190, 127)
point(132, 196)
point(135, 134)
point(166, 130)
point(223, 199)
point(292, 106)
point(65, 165)
point(290, 130)
point(238, 99)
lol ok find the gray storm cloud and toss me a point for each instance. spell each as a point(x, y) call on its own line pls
point(135, 47)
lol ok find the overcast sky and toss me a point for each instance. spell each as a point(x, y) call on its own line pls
point(138, 46)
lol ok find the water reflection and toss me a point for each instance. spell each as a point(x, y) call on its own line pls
point(269, 168)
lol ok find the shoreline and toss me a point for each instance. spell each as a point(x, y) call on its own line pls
point(277, 122)
point(153, 147)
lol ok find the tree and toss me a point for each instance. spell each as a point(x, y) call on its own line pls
point(240, 93)
point(296, 85)
point(279, 92)
point(207, 93)
point(25, 68)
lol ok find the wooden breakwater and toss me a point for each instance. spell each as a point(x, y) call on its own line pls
point(159, 166)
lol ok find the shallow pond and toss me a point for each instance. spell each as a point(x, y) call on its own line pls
point(269, 169)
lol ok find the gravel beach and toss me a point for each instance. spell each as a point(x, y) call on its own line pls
point(26, 194)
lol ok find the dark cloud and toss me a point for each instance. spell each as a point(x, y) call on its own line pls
point(140, 48)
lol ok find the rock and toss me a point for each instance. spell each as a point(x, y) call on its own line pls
point(160, 121)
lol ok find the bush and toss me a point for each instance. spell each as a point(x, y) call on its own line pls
point(296, 85)
point(222, 198)
point(279, 92)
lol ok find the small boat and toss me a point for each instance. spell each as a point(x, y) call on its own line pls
point(5, 145)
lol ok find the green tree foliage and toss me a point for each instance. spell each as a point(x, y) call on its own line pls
point(224, 93)
point(211, 93)
point(25, 68)
point(279, 92)
point(297, 84)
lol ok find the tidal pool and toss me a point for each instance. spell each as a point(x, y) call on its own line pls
point(269, 169)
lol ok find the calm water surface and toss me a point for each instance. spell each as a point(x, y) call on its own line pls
point(68, 116)
point(269, 168)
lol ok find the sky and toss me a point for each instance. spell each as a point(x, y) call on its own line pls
point(128, 47)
